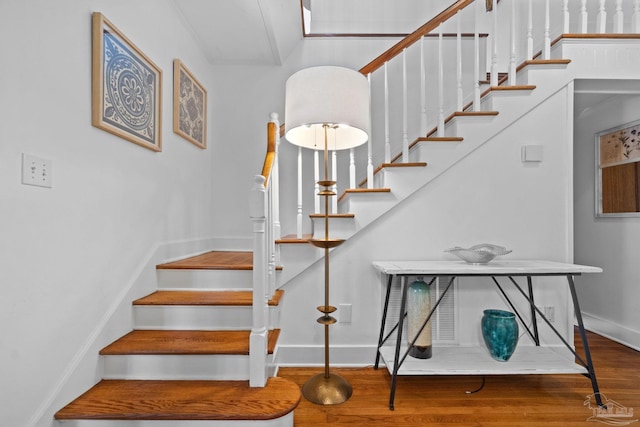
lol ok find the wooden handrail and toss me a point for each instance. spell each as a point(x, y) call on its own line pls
point(415, 36)
point(270, 157)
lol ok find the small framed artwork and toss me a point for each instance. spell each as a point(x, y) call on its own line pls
point(618, 171)
point(189, 106)
point(126, 87)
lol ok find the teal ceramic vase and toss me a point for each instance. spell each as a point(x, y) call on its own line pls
point(418, 308)
point(500, 333)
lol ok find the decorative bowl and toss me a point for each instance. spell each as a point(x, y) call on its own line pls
point(479, 254)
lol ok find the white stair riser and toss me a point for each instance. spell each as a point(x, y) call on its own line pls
point(503, 100)
point(538, 74)
point(168, 317)
point(469, 126)
point(224, 367)
point(205, 279)
point(339, 228)
point(403, 181)
point(367, 206)
point(284, 421)
point(295, 259)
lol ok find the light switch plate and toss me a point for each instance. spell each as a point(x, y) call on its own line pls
point(36, 171)
point(531, 153)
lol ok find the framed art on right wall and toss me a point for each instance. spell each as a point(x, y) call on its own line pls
point(618, 171)
point(189, 106)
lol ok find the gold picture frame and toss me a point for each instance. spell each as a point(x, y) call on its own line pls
point(189, 106)
point(126, 87)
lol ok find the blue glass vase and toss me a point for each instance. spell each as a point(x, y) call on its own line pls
point(500, 333)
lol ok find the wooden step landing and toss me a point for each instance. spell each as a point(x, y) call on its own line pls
point(184, 400)
point(185, 342)
point(208, 298)
point(214, 260)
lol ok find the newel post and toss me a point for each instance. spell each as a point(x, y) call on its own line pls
point(258, 338)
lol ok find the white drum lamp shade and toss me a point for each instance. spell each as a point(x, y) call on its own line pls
point(327, 95)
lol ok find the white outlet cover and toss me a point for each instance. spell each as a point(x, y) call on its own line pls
point(37, 171)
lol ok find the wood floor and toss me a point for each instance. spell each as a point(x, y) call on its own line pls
point(523, 400)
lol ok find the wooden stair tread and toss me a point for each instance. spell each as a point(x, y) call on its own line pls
point(293, 238)
point(184, 400)
point(215, 260)
point(332, 215)
point(185, 342)
point(363, 191)
point(209, 298)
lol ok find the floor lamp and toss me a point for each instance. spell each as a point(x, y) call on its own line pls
point(327, 108)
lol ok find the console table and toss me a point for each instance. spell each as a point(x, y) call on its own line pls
point(475, 360)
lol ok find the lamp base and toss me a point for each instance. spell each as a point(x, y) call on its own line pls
point(326, 391)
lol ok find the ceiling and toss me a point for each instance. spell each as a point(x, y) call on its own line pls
point(264, 32)
point(249, 32)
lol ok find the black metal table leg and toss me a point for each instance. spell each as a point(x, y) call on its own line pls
point(384, 321)
point(396, 361)
point(585, 343)
point(534, 321)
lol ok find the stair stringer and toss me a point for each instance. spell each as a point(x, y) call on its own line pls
point(442, 156)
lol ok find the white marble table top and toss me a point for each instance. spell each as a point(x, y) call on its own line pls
point(495, 267)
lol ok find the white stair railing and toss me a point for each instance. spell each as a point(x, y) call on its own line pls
point(263, 212)
point(449, 58)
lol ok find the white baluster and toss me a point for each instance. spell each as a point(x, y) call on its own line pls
point(275, 180)
point(334, 177)
point(476, 57)
point(369, 149)
point(387, 144)
point(601, 21)
point(618, 18)
point(584, 16)
point(512, 58)
point(299, 214)
point(316, 178)
point(405, 130)
point(635, 17)
point(547, 39)
point(352, 168)
point(459, 98)
point(494, 47)
point(423, 91)
point(440, 85)
point(530, 31)
point(565, 16)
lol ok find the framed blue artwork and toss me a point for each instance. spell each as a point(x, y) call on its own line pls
point(126, 87)
point(189, 106)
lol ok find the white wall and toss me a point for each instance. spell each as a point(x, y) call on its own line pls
point(71, 255)
point(609, 300)
point(490, 196)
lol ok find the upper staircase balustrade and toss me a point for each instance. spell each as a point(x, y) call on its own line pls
point(438, 73)
point(445, 67)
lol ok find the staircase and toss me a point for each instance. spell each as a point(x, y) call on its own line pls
point(187, 359)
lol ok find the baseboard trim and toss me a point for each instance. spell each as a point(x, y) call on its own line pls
point(339, 355)
point(612, 330)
